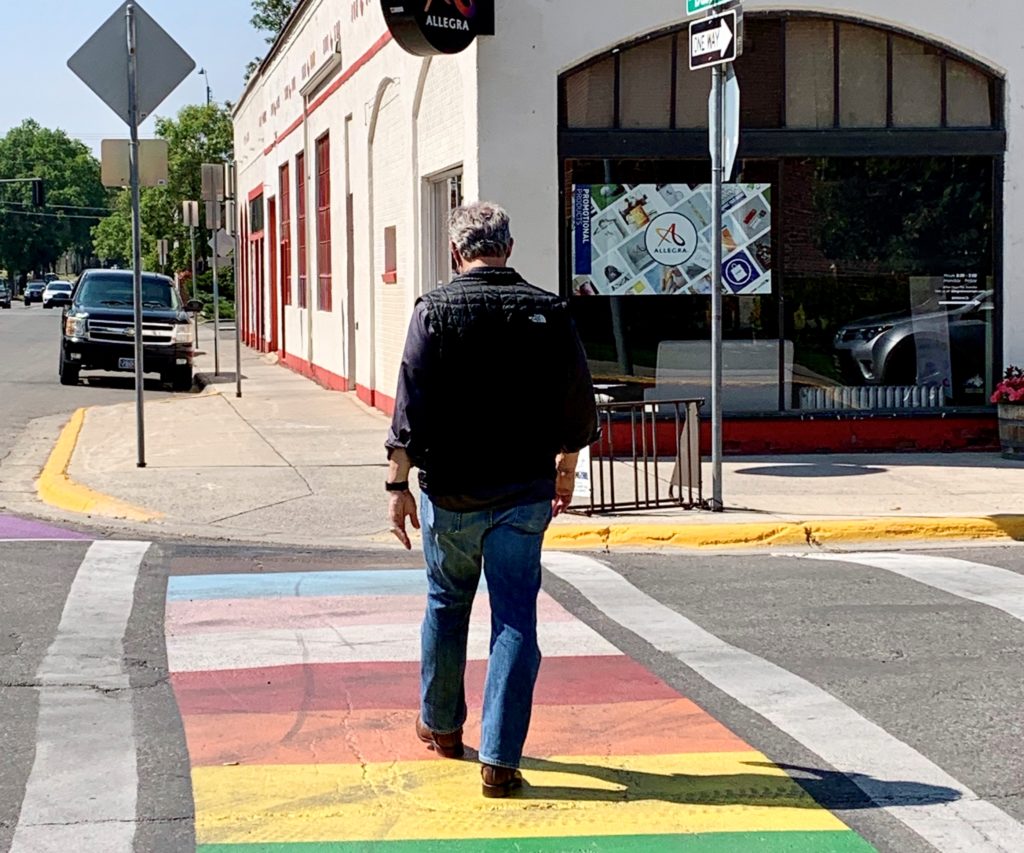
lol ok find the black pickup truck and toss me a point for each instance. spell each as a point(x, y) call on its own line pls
point(98, 329)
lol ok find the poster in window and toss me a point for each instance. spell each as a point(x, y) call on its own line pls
point(655, 239)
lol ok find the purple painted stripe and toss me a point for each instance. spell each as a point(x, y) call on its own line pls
point(12, 527)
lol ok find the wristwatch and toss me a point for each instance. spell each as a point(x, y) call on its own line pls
point(400, 486)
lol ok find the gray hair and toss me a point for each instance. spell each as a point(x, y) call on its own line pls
point(480, 230)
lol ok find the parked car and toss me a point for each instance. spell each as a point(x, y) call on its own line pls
point(51, 276)
point(884, 350)
point(34, 291)
point(56, 293)
point(98, 329)
point(5, 295)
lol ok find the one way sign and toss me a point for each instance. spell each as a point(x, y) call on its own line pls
point(713, 41)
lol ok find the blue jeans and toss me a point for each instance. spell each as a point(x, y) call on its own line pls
point(506, 545)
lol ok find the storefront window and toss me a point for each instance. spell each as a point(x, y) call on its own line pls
point(888, 280)
point(882, 286)
point(876, 285)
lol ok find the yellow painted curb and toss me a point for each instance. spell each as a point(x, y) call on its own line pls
point(57, 489)
point(785, 533)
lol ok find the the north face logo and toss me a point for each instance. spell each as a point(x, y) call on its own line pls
point(538, 318)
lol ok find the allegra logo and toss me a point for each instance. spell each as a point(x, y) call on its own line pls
point(670, 233)
point(466, 7)
point(671, 239)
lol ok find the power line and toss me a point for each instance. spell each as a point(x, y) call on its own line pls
point(62, 206)
point(13, 212)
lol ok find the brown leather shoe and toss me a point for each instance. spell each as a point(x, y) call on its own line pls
point(500, 781)
point(449, 745)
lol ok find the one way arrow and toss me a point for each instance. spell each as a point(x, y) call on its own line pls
point(725, 36)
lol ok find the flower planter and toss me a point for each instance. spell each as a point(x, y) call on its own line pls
point(1011, 430)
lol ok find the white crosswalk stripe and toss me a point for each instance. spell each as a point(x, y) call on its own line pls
point(82, 792)
point(998, 588)
point(870, 757)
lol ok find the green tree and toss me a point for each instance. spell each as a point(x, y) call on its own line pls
point(32, 239)
point(198, 134)
point(270, 16)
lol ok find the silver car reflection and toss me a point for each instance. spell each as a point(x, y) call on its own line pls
point(883, 350)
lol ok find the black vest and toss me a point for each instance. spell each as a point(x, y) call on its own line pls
point(503, 349)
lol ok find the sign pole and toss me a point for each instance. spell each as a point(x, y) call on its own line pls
point(216, 301)
point(133, 124)
point(195, 284)
point(230, 218)
point(717, 173)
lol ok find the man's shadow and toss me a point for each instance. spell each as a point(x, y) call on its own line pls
point(804, 787)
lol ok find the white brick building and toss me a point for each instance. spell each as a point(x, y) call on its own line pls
point(883, 135)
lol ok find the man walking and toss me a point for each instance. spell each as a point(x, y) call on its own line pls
point(494, 402)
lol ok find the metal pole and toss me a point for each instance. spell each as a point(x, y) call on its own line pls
point(216, 298)
point(195, 283)
point(238, 247)
point(133, 123)
point(717, 129)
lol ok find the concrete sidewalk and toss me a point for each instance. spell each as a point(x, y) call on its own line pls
point(290, 462)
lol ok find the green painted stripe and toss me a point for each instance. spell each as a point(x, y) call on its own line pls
point(722, 842)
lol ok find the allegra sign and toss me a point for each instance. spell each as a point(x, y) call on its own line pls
point(429, 27)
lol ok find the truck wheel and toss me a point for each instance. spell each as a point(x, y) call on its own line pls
point(68, 373)
point(181, 378)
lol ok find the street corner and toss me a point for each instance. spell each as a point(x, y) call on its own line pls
point(699, 535)
point(298, 691)
point(56, 488)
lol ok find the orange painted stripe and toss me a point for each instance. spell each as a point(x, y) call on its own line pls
point(372, 736)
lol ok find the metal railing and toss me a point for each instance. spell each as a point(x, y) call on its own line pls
point(628, 460)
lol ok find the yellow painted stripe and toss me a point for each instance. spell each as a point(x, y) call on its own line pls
point(695, 534)
point(57, 489)
point(569, 796)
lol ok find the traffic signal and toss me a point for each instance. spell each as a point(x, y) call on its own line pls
point(38, 193)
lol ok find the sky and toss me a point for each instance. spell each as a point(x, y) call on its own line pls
point(37, 37)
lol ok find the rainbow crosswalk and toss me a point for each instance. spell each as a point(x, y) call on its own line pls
point(299, 691)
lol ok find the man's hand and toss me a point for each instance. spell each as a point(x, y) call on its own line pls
point(565, 482)
point(402, 505)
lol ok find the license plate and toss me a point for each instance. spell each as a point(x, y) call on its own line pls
point(126, 364)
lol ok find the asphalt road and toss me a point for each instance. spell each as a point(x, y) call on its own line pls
point(887, 685)
point(29, 388)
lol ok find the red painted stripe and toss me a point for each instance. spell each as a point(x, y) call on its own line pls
point(255, 193)
point(765, 436)
point(376, 399)
point(347, 75)
point(288, 131)
point(656, 727)
point(318, 374)
point(376, 48)
point(327, 687)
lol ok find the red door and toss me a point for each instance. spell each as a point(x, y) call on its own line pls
point(272, 258)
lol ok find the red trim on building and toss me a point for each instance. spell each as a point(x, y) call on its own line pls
point(347, 75)
point(256, 193)
point(324, 378)
point(374, 398)
point(768, 436)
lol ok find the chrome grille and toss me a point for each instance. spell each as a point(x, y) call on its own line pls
point(123, 332)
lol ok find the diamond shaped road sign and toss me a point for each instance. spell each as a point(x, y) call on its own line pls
point(102, 62)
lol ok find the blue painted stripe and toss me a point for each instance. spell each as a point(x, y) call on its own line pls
point(297, 584)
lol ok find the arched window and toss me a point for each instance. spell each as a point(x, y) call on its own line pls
point(797, 72)
point(880, 155)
